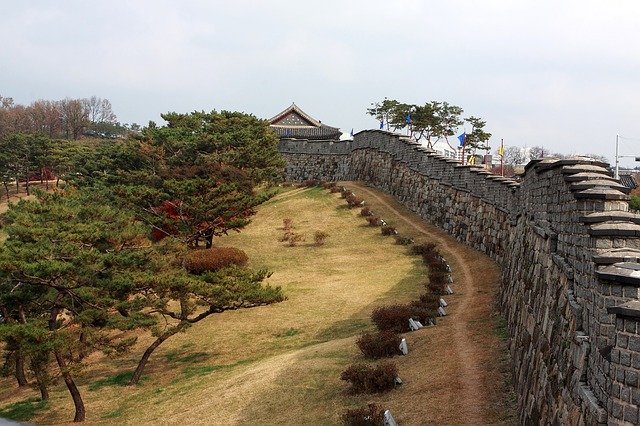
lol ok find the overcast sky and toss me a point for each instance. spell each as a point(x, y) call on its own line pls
point(563, 74)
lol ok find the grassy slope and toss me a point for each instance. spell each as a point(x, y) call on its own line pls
point(281, 364)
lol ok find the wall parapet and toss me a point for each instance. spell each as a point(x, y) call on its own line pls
point(569, 251)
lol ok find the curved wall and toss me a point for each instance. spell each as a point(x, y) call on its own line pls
point(569, 252)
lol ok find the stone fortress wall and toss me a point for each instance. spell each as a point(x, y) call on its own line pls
point(568, 247)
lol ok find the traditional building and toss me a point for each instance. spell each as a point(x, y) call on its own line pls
point(293, 123)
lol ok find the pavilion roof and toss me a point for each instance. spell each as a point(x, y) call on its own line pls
point(295, 123)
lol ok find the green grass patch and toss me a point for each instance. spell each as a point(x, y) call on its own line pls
point(121, 379)
point(194, 357)
point(23, 410)
point(289, 333)
point(113, 414)
point(203, 370)
point(501, 329)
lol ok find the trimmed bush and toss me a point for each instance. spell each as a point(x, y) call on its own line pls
point(401, 240)
point(373, 220)
point(364, 378)
point(382, 344)
point(388, 230)
point(392, 317)
point(429, 300)
point(215, 258)
point(365, 211)
point(396, 317)
point(353, 201)
point(421, 249)
point(372, 415)
point(437, 266)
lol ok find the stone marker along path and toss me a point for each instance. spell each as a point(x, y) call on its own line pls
point(473, 303)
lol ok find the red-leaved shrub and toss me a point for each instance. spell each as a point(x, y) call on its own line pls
point(365, 211)
point(364, 378)
point(372, 415)
point(388, 230)
point(373, 220)
point(215, 258)
point(420, 249)
point(379, 345)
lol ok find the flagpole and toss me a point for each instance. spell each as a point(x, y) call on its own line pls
point(501, 157)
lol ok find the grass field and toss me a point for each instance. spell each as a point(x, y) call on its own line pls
point(281, 364)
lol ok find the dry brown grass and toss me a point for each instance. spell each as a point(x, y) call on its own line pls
point(281, 364)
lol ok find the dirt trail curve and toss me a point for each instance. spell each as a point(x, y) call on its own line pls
point(464, 311)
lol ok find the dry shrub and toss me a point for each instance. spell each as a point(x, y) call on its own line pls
point(437, 267)
point(287, 223)
point(421, 249)
point(396, 317)
point(403, 240)
point(353, 201)
point(319, 237)
point(373, 220)
point(364, 378)
point(308, 183)
point(365, 211)
point(379, 345)
point(392, 317)
point(372, 415)
point(430, 300)
point(388, 230)
point(215, 258)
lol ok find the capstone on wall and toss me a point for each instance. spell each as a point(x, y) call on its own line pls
point(569, 251)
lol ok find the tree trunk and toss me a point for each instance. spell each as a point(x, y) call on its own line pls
point(145, 356)
point(20, 376)
point(27, 181)
point(68, 380)
point(39, 367)
point(42, 386)
point(73, 389)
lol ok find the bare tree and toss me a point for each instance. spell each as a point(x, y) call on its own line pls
point(513, 155)
point(74, 117)
point(99, 110)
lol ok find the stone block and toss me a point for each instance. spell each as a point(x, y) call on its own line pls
point(625, 358)
point(631, 414)
point(622, 340)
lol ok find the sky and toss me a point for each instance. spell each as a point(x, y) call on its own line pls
point(561, 74)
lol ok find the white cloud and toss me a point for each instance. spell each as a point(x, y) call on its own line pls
point(563, 72)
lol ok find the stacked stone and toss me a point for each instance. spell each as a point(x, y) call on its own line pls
point(569, 250)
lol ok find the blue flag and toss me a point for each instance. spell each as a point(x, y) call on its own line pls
point(381, 124)
point(351, 134)
point(409, 118)
point(462, 138)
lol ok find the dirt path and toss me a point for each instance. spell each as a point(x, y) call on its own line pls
point(466, 310)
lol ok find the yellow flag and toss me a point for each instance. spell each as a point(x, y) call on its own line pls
point(472, 159)
point(501, 150)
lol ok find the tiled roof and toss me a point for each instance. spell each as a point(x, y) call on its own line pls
point(295, 123)
point(628, 181)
